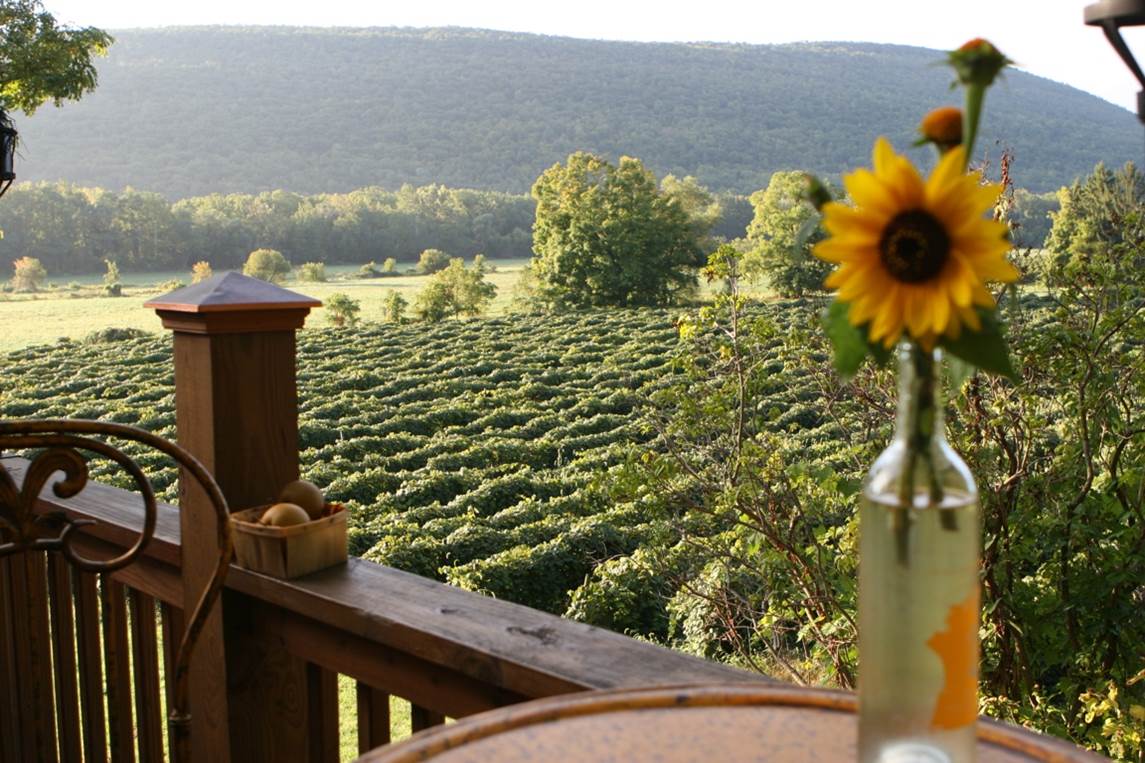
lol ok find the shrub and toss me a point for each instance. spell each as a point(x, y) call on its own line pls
point(28, 274)
point(108, 336)
point(111, 277)
point(369, 270)
point(456, 290)
point(431, 261)
point(200, 271)
point(267, 264)
point(341, 310)
point(394, 307)
point(313, 272)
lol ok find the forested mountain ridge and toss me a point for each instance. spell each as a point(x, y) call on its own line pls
point(191, 111)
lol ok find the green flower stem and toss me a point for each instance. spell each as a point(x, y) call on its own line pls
point(971, 115)
point(920, 424)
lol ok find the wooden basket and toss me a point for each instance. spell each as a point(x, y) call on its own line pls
point(288, 552)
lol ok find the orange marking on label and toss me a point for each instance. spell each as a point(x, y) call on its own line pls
point(957, 647)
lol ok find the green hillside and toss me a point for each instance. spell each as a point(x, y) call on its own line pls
point(191, 111)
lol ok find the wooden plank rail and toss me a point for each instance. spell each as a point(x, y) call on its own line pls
point(450, 652)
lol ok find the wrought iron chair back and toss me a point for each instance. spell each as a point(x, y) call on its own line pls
point(25, 529)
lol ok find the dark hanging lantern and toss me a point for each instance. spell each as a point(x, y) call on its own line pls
point(8, 137)
point(1111, 15)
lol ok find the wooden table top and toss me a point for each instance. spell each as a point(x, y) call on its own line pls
point(687, 724)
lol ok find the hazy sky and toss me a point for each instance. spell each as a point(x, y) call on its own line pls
point(1046, 37)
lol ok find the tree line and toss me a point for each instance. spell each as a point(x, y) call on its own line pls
point(74, 230)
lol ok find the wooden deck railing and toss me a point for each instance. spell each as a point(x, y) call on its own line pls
point(449, 652)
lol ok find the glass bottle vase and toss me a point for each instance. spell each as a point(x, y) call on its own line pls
point(919, 544)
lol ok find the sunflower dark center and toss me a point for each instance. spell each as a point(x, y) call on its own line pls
point(914, 246)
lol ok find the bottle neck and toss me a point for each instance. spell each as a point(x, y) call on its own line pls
point(920, 418)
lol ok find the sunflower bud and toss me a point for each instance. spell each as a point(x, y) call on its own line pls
point(942, 127)
point(977, 62)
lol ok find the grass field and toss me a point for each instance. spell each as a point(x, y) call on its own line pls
point(75, 306)
point(45, 317)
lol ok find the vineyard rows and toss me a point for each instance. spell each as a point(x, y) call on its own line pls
point(465, 451)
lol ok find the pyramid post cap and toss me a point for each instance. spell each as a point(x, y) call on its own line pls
point(231, 292)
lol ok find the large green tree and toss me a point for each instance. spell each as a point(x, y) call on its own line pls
point(1098, 214)
point(42, 61)
point(781, 235)
point(606, 235)
point(702, 208)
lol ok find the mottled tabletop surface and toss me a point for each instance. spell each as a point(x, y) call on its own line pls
point(765, 722)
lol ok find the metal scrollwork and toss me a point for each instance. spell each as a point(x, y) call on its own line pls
point(23, 527)
point(27, 529)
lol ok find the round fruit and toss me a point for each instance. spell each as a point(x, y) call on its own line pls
point(284, 515)
point(304, 494)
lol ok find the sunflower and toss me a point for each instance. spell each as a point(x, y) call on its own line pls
point(915, 256)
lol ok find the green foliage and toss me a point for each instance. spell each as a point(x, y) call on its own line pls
point(703, 210)
point(763, 512)
point(341, 310)
point(605, 235)
point(625, 594)
point(113, 335)
point(781, 234)
point(454, 290)
point(390, 266)
point(74, 230)
point(41, 60)
point(1031, 217)
point(267, 264)
point(112, 274)
point(1061, 463)
point(28, 274)
point(431, 261)
point(394, 306)
point(312, 272)
point(111, 285)
point(1098, 215)
point(370, 270)
point(730, 115)
point(201, 271)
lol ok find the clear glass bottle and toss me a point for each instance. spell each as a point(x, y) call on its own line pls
point(919, 545)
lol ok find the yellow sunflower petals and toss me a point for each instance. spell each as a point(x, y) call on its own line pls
point(947, 172)
point(840, 219)
point(918, 313)
point(835, 278)
point(982, 296)
point(997, 270)
point(970, 317)
point(840, 249)
point(939, 313)
point(882, 156)
point(868, 193)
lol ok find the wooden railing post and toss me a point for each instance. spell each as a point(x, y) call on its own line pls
point(237, 412)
